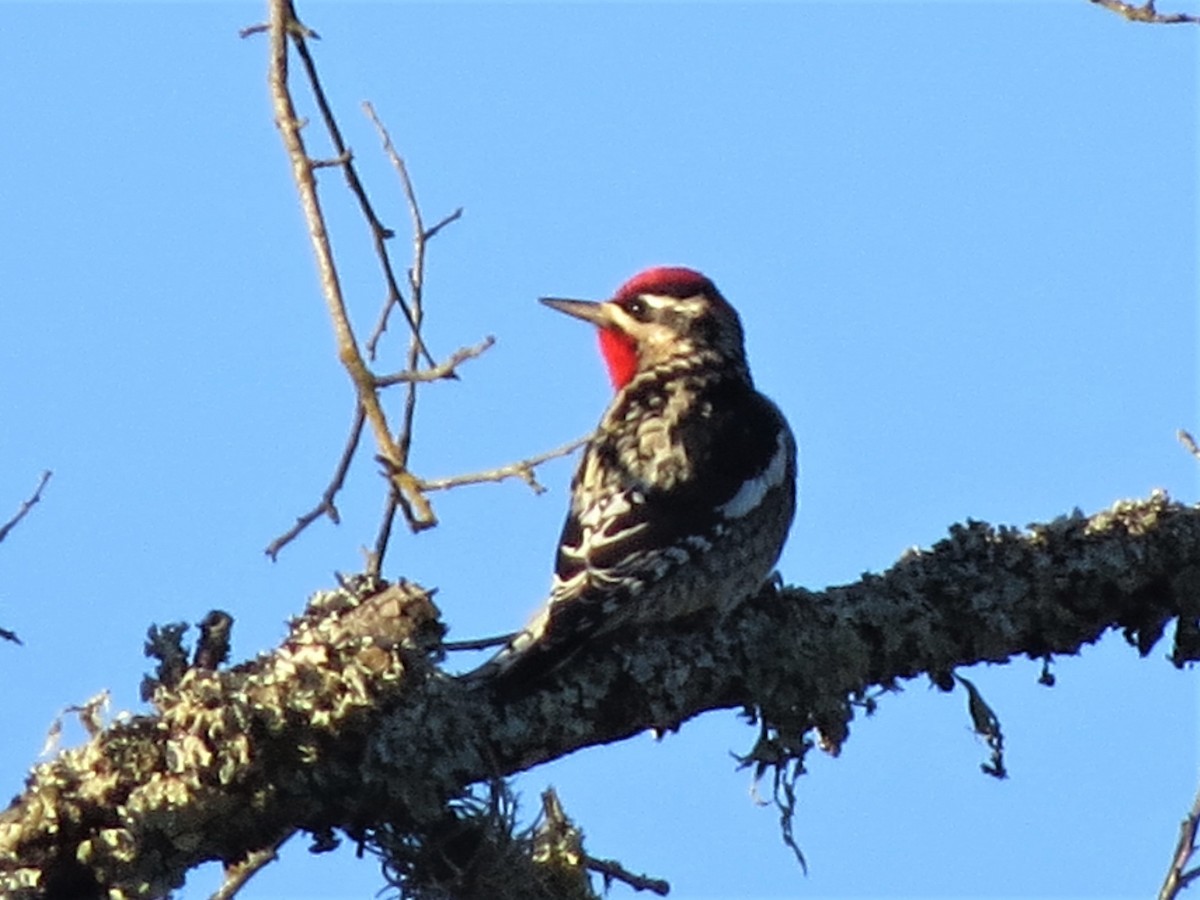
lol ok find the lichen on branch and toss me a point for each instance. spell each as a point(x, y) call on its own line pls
point(349, 724)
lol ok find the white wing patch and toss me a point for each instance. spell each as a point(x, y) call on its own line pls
point(597, 523)
point(751, 494)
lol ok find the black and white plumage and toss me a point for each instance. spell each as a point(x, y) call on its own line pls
point(686, 492)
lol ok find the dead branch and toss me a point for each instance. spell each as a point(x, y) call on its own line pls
point(282, 16)
point(326, 506)
point(523, 469)
point(611, 870)
point(385, 313)
point(1146, 13)
point(380, 233)
point(446, 369)
point(1189, 442)
point(1178, 875)
point(416, 284)
point(406, 491)
point(26, 505)
point(347, 723)
point(441, 223)
point(421, 238)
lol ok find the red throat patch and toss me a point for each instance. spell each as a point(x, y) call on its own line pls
point(620, 355)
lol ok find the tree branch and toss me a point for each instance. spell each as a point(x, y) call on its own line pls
point(1189, 443)
point(282, 20)
point(525, 469)
point(1178, 875)
point(349, 724)
point(416, 317)
point(26, 505)
point(1146, 13)
point(327, 505)
point(439, 371)
point(380, 233)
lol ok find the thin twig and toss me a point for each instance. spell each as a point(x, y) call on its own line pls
point(1188, 442)
point(480, 643)
point(433, 229)
point(381, 325)
point(296, 26)
point(26, 506)
point(1146, 13)
point(385, 313)
point(442, 370)
point(382, 536)
point(416, 281)
point(238, 874)
point(380, 233)
point(611, 871)
point(340, 160)
point(326, 506)
point(523, 469)
point(416, 276)
point(403, 482)
point(1177, 879)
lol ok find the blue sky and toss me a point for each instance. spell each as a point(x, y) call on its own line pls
point(962, 237)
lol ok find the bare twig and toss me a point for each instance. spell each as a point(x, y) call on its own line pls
point(403, 482)
point(326, 505)
point(26, 506)
point(339, 160)
point(1146, 13)
point(1188, 442)
point(406, 492)
point(416, 274)
point(442, 370)
point(296, 27)
point(1177, 879)
point(383, 536)
point(416, 282)
point(523, 469)
point(385, 313)
point(380, 233)
point(611, 871)
point(480, 643)
point(437, 226)
point(238, 874)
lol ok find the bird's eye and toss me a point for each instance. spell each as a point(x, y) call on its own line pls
point(637, 308)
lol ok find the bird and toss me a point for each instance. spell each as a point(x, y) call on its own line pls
point(685, 492)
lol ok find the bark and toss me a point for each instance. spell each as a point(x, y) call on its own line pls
point(350, 724)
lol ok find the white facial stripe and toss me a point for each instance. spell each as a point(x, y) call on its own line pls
point(751, 494)
point(691, 305)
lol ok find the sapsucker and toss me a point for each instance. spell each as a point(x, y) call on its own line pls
point(686, 491)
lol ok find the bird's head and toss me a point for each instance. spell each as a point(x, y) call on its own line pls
point(662, 316)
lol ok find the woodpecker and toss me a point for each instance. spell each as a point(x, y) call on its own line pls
point(686, 491)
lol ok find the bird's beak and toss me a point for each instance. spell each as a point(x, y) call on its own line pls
point(596, 313)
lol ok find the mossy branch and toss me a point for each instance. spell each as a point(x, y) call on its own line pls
point(349, 724)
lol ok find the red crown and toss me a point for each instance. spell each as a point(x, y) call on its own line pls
point(666, 281)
